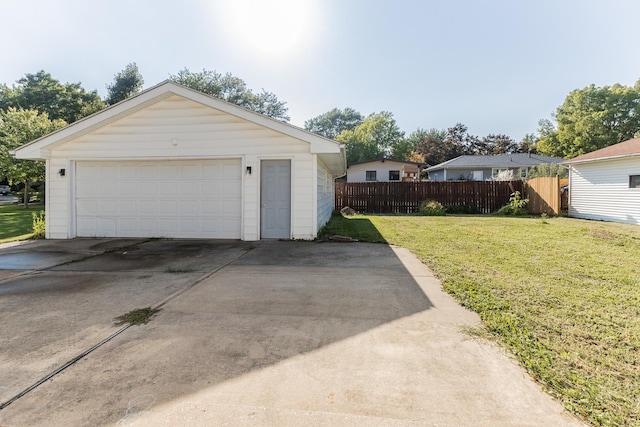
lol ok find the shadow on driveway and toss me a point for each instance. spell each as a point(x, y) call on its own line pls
point(278, 300)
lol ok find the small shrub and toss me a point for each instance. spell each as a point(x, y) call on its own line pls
point(39, 225)
point(516, 205)
point(461, 209)
point(431, 208)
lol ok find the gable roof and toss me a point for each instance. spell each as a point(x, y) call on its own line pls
point(514, 160)
point(330, 152)
point(387, 159)
point(623, 149)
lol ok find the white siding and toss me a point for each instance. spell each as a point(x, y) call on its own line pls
point(326, 199)
point(358, 173)
point(600, 190)
point(58, 201)
point(179, 128)
point(302, 200)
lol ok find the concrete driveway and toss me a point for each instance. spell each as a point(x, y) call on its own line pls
point(264, 333)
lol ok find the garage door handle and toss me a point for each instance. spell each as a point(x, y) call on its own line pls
point(262, 205)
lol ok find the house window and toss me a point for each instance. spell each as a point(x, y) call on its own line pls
point(634, 181)
point(524, 172)
point(371, 176)
point(394, 175)
point(496, 171)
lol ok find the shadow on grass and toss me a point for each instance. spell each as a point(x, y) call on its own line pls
point(354, 226)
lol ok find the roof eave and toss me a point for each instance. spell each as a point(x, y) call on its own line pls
point(600, 159)
point(31, 150)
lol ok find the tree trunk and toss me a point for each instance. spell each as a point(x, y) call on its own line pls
point(26, 194)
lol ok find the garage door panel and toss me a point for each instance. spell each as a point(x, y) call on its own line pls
point(210, 189)
point(148, 207)
point(189, 225)
point(230, 171)
point(211, 172)
point(87, 207)
point(228, 208)
point(190, 208)
point(127, 226)
point(197, 199)
point(148, 171)
point(147, 227)
point(129, 172)
point(128, 207)
point(108, 208)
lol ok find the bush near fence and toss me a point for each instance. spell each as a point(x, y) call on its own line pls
point(405, 197)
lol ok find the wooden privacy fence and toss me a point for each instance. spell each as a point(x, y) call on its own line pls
point(545, 196)
point(405, 197)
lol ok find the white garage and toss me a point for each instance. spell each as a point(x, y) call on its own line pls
point(172, 162)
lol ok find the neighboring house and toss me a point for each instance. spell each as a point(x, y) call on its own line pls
point(384, 170)
point(605, 184)
point(174, 162)
point(480, 168)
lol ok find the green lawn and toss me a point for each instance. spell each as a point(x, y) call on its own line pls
point(16, 222)
point(563, 295)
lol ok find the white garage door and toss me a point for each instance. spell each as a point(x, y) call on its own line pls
point(191, 199)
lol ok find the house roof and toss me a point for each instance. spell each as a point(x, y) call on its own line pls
point(623, 149)
point(388, 159)
point(330, 152)
point(515, 160)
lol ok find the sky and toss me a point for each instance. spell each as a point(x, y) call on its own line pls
point(497, 66)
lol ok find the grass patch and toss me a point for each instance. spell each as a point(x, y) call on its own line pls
point(563, 295)
point(139, 316)
point(17, 222)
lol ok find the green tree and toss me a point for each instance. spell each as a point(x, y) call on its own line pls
point(125, 84)
point(332, 123)
point(232, 89)
point(592, 118)
point(40, 91)
point(375, 137)
point(17, 127)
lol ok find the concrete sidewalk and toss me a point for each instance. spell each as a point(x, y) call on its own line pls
point(282, 334)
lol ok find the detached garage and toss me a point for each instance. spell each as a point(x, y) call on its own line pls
point(605, 184)
point(173, 162)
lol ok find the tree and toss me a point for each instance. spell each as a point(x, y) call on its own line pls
point(332, 123)
point(125, 84)
point(432, 146)
point(17, 127)
point(374, 138)
point(498, 144)
point(528, 144)
point(460, 140)
point(592, 118)
point(232, 89)
point(40, 91)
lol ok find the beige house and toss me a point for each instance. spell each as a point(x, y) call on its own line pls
point(384, 170)
point(173, 162)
